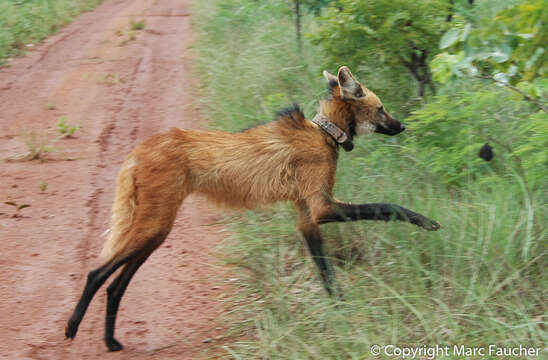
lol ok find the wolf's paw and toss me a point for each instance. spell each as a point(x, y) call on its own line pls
point(113, 344)
point(424, 222)
point(71, 329)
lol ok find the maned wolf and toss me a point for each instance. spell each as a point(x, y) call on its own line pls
point(290, 159)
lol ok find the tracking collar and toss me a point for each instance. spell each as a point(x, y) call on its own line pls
point(336, 133)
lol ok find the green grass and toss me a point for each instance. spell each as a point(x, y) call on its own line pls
point(26, 22)
point(480, 280)
point(137, 25)
point(470, 283)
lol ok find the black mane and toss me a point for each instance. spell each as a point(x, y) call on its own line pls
point(292, 114)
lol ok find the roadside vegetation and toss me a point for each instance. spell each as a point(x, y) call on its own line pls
point(40, 146)
point(23, 23)
point(482, 278)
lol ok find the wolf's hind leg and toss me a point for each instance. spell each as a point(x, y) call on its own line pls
point(96, 278)
point(115, 291)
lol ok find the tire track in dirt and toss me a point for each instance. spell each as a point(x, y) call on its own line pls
point(119, 95)
point(124, 115)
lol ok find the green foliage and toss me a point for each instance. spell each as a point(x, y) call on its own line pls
point(315, 6)
point(479, 280)
point(511, 49)
point(65, 129)
point(43, 186)
point(397, 33)
point(467, 284)
point(449, 131)
point(246, 48)
point(38, 146)
point(137, 25)
point(27, 22)
point(510, 52)
point(532, 147)
point(384, 29)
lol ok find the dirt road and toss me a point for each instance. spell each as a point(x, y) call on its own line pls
point(120, 86)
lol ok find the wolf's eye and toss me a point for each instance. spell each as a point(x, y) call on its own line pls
point(381, 109)
point(358, 93)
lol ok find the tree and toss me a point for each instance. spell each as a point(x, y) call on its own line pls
point(314, 6)
point(510, 51)
point(400, 33)
point(480, 62)
point(298, 31)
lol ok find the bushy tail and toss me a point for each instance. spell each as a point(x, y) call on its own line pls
point(122, 211)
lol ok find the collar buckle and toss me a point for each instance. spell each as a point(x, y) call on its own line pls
point(336, 133)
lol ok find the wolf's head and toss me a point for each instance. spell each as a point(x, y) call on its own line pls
point(364, 110)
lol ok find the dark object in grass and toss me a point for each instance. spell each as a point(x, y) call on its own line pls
point(486, 152)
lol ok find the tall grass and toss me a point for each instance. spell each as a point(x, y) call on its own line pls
point(480, 280)
point(25, 22)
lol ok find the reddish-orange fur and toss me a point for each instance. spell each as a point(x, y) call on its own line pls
point(287, 160)
point(291, 159)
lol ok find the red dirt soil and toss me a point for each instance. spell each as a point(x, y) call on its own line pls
point(120, 91)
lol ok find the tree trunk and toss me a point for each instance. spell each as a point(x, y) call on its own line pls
point(418, 67)
point(298, 24)
point(421, 88)
point(451, 9)
point(429, 81)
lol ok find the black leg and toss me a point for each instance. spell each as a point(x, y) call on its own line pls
point(315, 245)
point(96, 279)
point(115, 291)
point(378, 211)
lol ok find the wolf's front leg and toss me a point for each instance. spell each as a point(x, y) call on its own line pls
point(314, 241)
point(338, 211)
point(315, 246)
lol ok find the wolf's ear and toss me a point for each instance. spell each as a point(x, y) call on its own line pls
point(330, 77)
point(350, 87)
